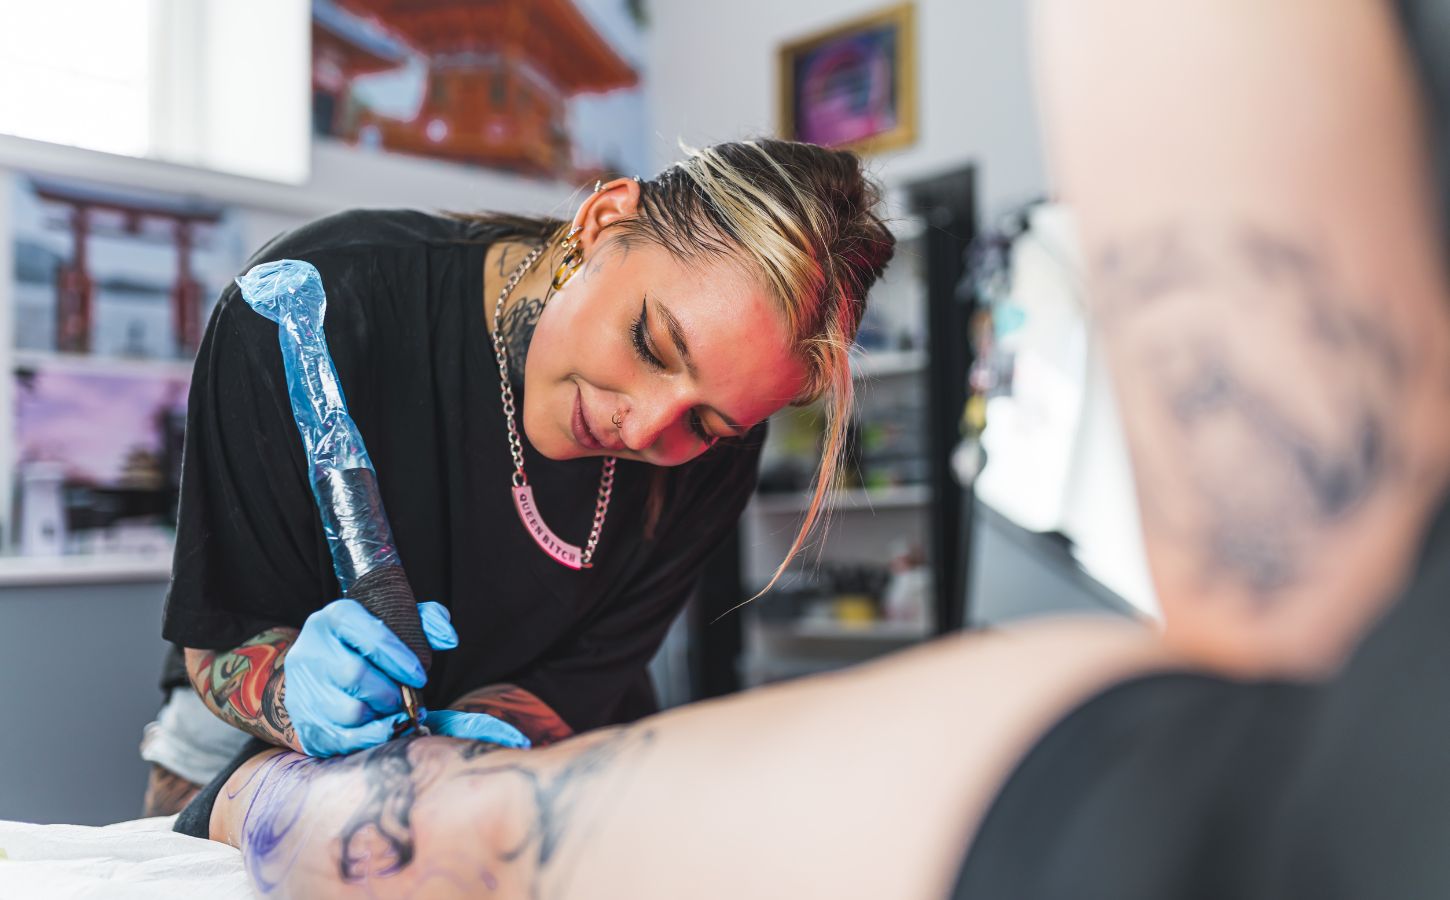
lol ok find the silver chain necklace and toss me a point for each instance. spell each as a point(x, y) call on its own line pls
point(565, 553)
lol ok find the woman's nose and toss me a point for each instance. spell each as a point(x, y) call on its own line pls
point(651, 422)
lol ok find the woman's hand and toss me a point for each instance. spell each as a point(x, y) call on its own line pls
point(343, 676)
point(476, 727)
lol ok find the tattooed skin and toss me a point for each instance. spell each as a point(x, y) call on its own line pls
point(559, 799)
point(1270, 470)
point(246, 686)
point(520, 314)
point(519, 708)
point(270, 839)
point(520, 317)
point(383, 814)
point(166, 792)
point(542, 808)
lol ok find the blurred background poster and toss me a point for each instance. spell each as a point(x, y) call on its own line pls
point(98, 459)
point(112, 290)
point(546, 88)
point(113, 273)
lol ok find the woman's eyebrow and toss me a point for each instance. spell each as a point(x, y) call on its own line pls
point(677, 335)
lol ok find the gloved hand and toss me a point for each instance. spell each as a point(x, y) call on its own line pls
point(476, 727)
point(343, 672)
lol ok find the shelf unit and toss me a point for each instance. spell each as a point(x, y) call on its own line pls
point(867, 524)
point(906, 496)
point(934, 222)
point(886, 631)
point(886, 363)
point(109, 365)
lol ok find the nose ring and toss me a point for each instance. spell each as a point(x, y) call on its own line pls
point(617, 419)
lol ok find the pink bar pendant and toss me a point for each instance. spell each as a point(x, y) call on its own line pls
point(544, 536)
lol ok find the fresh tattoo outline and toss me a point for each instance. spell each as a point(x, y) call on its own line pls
point(273, 832)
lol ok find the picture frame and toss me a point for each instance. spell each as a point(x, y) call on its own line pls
point(852, 86)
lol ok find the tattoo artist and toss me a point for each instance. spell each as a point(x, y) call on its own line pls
point(565, 418)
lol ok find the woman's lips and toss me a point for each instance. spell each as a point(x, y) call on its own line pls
point(580, 426)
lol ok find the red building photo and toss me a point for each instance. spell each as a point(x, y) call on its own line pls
point(509, 84)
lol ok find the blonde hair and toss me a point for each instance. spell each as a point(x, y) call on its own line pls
point(805, 219)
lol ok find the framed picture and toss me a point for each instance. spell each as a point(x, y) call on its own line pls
point(854, 85)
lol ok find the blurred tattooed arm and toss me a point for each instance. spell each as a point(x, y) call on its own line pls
point(1258, 213)
point(519, 708)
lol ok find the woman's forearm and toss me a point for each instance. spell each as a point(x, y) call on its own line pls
point(519, 708)
point(245, 687)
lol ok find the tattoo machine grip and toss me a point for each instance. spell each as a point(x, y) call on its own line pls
point(344, 482)
point(378, 583)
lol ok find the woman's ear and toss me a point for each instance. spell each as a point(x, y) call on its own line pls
point(615, 200)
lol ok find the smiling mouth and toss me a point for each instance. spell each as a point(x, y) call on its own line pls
point(583, 434)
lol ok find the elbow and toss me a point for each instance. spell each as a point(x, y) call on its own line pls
point(1298, 636)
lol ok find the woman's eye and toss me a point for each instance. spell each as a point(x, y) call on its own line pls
point(697, 425)
point(641, 344)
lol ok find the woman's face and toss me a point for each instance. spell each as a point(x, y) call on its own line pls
point(679, 355)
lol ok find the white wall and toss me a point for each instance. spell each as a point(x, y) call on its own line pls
point(713, 71)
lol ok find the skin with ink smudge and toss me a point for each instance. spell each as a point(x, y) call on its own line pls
point(372, 798)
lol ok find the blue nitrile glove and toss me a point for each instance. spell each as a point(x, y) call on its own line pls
point(476, 727)
point(343, 673)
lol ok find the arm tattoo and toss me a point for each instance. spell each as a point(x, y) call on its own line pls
point(1267, 391)
point(166, 792)
point(378, 839)
point(519, 708)
point(245, 686)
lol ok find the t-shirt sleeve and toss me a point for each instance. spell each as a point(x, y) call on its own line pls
point(1161, 786)
point(590, 680)
point(249, 548)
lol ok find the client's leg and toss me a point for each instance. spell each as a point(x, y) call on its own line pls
point(865, 783)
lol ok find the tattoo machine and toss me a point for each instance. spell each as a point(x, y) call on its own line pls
point(344, 483)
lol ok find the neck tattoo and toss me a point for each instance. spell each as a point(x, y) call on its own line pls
point(517, 324)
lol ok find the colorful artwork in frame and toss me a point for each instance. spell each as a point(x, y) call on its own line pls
point(854, 85)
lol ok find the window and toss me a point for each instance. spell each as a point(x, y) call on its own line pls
point(208, 83)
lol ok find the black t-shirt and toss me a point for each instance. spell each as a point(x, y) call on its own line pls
point(1191, 786)
point(407, 331)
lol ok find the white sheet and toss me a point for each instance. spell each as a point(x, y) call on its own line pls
point(139, 860)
